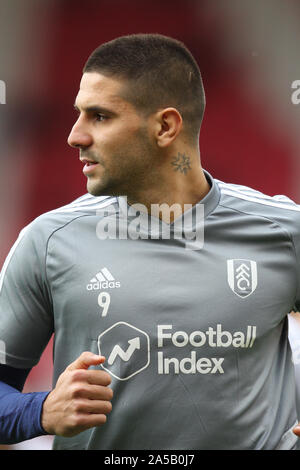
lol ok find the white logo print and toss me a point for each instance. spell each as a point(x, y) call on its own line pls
point(242, 276)
point(127, 349)
point(134, 344)
point(130, 353)
point(135, 222)
point(103, 280)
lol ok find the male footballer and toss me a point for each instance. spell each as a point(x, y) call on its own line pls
point(170, 327)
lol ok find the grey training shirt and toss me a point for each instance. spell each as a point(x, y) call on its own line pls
point(194, 330)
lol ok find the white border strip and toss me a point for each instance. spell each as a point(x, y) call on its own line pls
point(92, 205)
point(289, 207)
point(250, 192)
point(10, 254)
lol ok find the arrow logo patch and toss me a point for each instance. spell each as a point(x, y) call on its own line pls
point(126, 348)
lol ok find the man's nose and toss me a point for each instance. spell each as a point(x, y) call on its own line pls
point(79, 137)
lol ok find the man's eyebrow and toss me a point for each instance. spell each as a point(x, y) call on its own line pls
point(94, 109)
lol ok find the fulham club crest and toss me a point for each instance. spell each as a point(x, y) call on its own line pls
point(242, 276)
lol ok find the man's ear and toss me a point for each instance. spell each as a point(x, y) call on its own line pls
point(168, 124)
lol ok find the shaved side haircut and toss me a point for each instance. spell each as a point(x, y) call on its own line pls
point(158, 72)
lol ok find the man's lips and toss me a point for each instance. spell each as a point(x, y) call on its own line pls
point(89, 165)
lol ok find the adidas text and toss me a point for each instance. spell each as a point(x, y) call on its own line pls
point(103, 285)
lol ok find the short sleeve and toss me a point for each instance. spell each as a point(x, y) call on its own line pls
point(290, 221)
point(296, 240)
point(26, 319)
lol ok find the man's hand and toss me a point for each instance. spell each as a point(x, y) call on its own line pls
point(80, 400)
point(296, 430)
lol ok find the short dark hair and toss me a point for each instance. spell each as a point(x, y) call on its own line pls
point(160, 71)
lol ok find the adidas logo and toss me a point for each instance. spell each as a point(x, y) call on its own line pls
point(103, 280)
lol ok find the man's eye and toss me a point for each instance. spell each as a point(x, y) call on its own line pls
point(99, 117)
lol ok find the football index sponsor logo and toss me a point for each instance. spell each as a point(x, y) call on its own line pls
point(103, 280)
point(127, 349)
point(213, 337)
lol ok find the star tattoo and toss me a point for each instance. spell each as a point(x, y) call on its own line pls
point(181, 163)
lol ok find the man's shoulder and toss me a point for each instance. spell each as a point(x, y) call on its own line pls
point(50, 221)
point(251, 200)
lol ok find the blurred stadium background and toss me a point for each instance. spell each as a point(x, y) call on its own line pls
point(248, 52)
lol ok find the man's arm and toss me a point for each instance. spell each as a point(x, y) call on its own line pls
point(20, 413)
point(14, 377)
point(80, 400)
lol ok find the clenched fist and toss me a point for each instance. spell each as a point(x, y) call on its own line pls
point(80, 400)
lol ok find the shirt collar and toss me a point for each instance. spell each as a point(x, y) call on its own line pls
point(210, 201)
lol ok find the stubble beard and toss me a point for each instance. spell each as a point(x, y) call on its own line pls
point(130, 174)
point(125, 181)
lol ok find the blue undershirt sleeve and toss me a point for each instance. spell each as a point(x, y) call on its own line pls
point(20, 413)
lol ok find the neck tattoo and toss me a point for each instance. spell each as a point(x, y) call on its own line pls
point(181, 163)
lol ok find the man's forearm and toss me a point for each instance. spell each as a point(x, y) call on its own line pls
point(20, 414)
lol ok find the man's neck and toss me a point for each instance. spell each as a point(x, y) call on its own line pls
point(175, 188)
